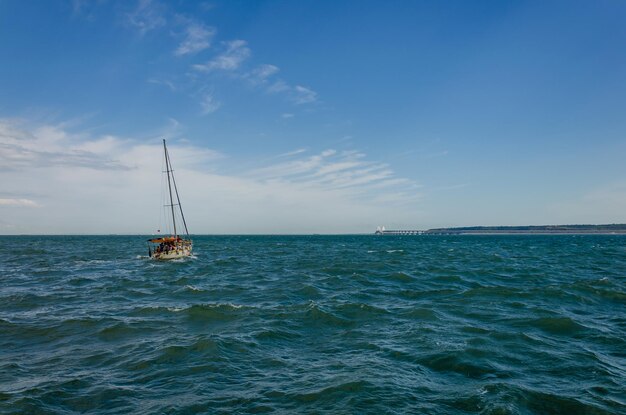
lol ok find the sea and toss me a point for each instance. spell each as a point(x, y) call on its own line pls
point(361, 324)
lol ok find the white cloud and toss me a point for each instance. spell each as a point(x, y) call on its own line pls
point(263, 72)
point(304, 95)
point(287, 115)
point(262, 76)
point(334, 170)
point(292, 168)
point(170, 85)
point(197, 38)
point(297, 94)
point(292, 153)
point(209, 104)
point(278, 86)
point(148, 15)
point(326, 192)
point(235, 54)
point(335, 167)
point(18, 202)
point(50, 145)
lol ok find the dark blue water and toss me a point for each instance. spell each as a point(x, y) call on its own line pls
point(314, 324)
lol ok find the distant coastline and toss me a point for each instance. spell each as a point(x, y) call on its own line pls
point(609, 229)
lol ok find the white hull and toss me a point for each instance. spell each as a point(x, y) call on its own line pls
point(180, 252)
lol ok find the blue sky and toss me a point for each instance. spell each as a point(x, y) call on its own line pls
point(311, 116)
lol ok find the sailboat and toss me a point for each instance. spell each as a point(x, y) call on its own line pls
point(173, 246)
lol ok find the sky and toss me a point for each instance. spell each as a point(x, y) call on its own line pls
point(311, 116)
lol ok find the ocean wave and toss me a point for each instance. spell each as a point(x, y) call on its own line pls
point(420, 313)
point(326, 393)
point(271, 335)
point(555, 325)
point(356, 311)
point(193, 289)
point(195, 311)
point(401, 277)
point(314, 314)
point(309, 291)
point(452, 362)
point(121, 330)
point(206, 313)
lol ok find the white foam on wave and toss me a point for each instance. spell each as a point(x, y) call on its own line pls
point(92, 261)
point(209, 305)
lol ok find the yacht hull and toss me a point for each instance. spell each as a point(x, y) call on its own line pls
point(181, 251)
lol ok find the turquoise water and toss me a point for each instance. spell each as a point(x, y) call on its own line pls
point(314, 324)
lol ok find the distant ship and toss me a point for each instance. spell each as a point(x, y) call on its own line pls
point(172, 246)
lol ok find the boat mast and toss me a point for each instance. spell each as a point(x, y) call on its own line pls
point(169, 185)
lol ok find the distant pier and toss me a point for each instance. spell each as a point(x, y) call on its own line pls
point(608, 229)
point(399, 232)
point(383, 231)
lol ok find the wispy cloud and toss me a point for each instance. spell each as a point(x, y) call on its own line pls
point(287, 115)
point(304, 95)
point(331, 169)
point(262, 75)
point(147, 15)
point(298, 93)
point(235, 53)
point(86, 9)
point(292, 153)
point(50, 146)
point(264, 71)
point(170, 85)
point(209, 104)
point(197, 38)
point(231, 60)
point(18, 203)
point(278, 87)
